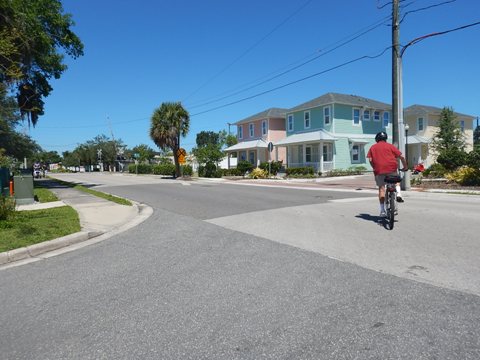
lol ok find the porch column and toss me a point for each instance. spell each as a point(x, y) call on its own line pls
point(258, 159)
point(276, 153)
point(320, 152)
point(419, 149)
point(304, 157)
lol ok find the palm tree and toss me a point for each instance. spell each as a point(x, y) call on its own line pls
point(169, 122)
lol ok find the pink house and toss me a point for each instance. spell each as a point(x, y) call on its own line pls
point(255, 133)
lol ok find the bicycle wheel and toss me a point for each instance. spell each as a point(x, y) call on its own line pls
point(391, 209)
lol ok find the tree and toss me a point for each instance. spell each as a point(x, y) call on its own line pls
point(207, 137)
point(169, 122)
point(145, 152)
point(449, 142)
point(449, 135)
point(476, 137)
point(34, 36)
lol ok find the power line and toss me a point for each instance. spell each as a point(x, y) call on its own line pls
point(349, 38)
point(414, 41)
point(426, 8)
point(294, 82)
point(249, 49)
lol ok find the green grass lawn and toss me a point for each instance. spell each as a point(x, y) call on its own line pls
point(44, 195)
point(99, 194)
point(25, 228)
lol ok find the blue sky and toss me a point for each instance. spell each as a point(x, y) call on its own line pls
point(140, 54)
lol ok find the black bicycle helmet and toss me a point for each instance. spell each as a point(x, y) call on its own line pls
point(381, 136)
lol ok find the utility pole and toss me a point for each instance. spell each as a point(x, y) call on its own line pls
point(395, 68)
point(398, 128)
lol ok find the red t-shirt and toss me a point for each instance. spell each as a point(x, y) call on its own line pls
point(384, 156)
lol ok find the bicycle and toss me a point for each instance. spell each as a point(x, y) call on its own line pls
point(391, 198)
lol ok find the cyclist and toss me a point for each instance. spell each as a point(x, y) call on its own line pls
point(383, 158)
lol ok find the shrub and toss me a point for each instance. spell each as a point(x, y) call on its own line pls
point(353, 170)
point(209, 170)
point(258, 173)
point(187, 170)
point(435, 171)
point(167, 169)
point(452, 158)
point(244, 166)
point(473, 158)
point(7, 207)
point(466, 176)
point(232, 172)
point(299, 171)
point(275, 167)
point(140, 169)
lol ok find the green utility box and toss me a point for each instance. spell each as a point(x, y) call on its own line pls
point(23, 188)
point(4, 181)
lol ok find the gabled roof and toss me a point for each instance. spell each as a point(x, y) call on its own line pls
point(251, 144)
point(310, 136)
point(425, 109)
point(269, 113)
point(334, 98)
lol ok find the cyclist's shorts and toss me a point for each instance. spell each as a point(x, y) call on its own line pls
point(380, 179)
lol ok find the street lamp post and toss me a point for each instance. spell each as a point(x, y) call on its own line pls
point(407, 127)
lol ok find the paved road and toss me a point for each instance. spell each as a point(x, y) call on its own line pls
point(213, 275)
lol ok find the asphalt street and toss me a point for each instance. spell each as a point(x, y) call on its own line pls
point(222, 271)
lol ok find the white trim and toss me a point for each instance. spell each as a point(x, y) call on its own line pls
point(379, 115)
point(359, 116)
point(251, 130)
point(240, 131)
point(305, 119)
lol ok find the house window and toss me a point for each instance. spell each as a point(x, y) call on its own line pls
point(240, 132)
point(264, 127)
point(356, 153)
point(243, 155)
point(306, 119)
point(462, 125)
point(251, 129)
point(386, 119)
point(328, 152)
point(290, 122)
point(308, 154)
point(376, 115)
point(326, 115)
point(356, 117)
point(420, 124)
point(366, 115)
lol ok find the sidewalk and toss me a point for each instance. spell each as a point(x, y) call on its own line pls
point(99, 220)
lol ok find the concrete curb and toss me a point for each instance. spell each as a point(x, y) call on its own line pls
point(40, 248)
point(34, 251)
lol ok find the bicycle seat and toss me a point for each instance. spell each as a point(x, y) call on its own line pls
point(392, 179)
